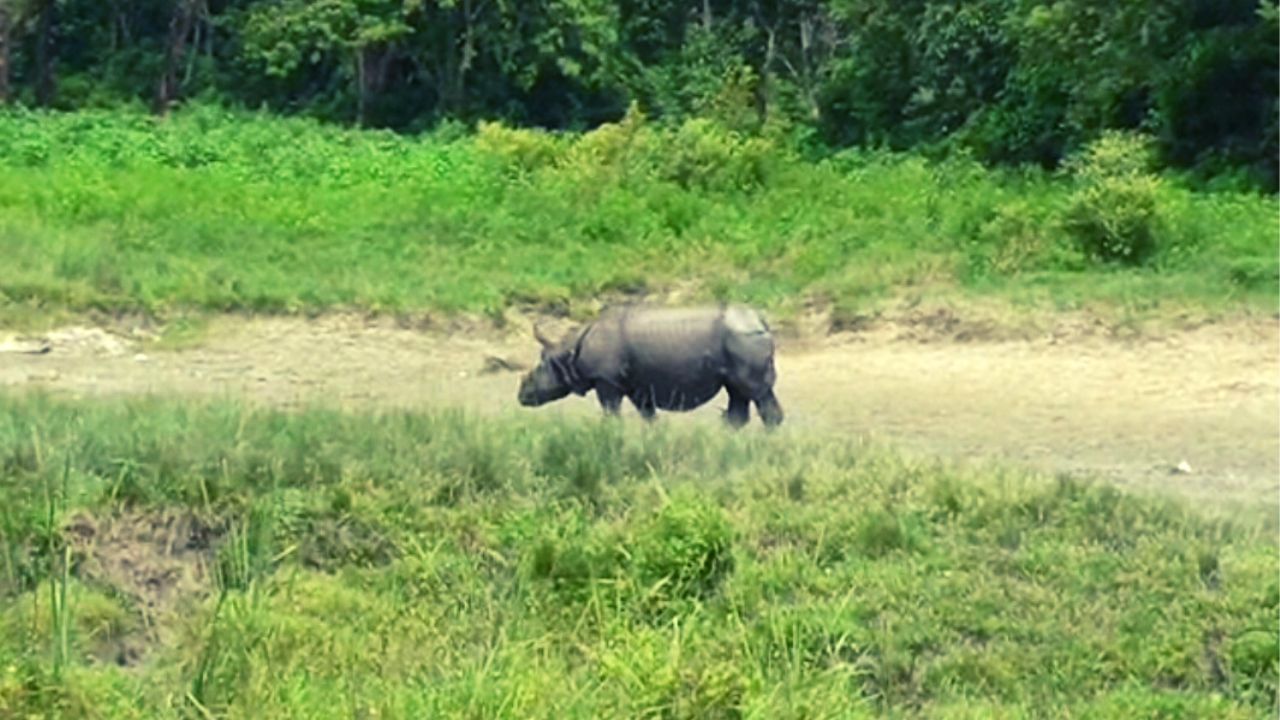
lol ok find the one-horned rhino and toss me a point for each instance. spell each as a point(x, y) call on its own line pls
point(662, 358)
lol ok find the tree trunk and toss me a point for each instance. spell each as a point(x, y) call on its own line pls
point(707, 20)
point(808, 84)
point(372, 65)
point(120, 35)
point(362, 86)
point(806, 40)
point(184, 12)
point(444, 73)
point(6, 21)
point(196, 37)
point(46, 82)
point(764, 90)
point(450, 85)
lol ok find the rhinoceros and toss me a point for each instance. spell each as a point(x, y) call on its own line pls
point(662, 358)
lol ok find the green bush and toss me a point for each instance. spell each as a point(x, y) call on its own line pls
point(1115, 215)
point(1020, 237)
point(1113, 154)
point(525, 150)
point(615, 151)
point(572, 559)
point(684, 552)
point(704, 155)
point(1116, 219)
point(699, 154)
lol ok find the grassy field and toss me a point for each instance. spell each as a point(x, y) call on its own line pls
point(432, 564)
point(212, 210)
point(204, 559)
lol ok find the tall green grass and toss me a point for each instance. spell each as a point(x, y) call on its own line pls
point(216, 210)
point(433, 564)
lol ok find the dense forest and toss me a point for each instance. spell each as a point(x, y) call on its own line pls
point(1012, 81)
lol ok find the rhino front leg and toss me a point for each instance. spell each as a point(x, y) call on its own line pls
point(770, 409)
point(610, 399)
point(739, 412)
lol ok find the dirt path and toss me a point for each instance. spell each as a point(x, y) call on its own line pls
point(1131, 410)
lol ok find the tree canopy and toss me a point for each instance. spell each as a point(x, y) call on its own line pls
point(1013, 81)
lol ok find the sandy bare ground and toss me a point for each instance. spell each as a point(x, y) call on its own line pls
point(1132, 410)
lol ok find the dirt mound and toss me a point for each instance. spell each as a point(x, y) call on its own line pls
point(158, 560)
point(75, 340)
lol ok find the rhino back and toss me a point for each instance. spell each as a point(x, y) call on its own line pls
point(672, 337)
point(675, 357)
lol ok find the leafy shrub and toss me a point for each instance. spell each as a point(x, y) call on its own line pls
point(615, 148)
point(882, 532)
point(1255, 661)
point(573, 560)
point(524, 150)
point(684, 552)
point(1115, 219)
point(702, 154)
point(1018, 238)
point(1114, 154)
point(1114, 214)
point(733, 104)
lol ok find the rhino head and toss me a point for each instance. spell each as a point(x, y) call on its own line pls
point(555, 376)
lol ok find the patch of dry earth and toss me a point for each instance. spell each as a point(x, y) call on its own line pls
point(1207, 399)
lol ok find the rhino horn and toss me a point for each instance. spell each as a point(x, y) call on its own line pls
point(537, 333)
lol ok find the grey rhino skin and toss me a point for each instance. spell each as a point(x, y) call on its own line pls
point(662, 359)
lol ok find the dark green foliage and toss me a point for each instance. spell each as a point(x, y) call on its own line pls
point(680, 553)
point(573, 565)
point(1255, 662)
point(684, 552)
point(882, 532)
point(247, 553)
point(1013, 81)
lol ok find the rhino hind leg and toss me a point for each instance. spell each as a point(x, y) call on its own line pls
point(645, 407)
